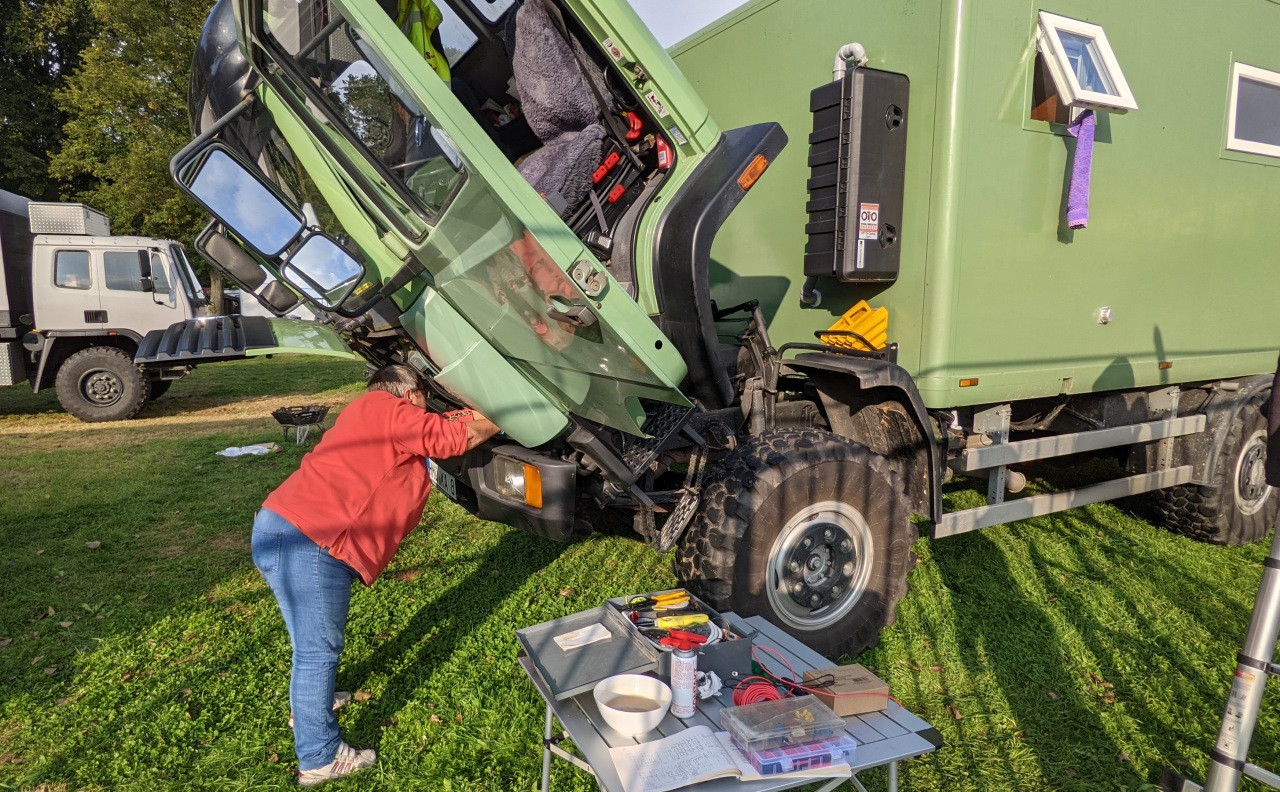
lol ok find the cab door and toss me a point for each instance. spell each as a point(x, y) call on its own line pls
point(125, 301)
point(448, 201)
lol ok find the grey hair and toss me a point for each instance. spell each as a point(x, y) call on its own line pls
point(396, 379)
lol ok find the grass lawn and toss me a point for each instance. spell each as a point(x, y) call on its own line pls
point(1082, 651)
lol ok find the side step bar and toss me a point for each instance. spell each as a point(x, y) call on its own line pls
point(1038, 505)
point(1079, 442)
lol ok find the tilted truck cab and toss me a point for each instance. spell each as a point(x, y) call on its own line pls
point(556, 230)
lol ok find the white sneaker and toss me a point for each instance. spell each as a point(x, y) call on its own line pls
point(341, 699)
point(347, 761)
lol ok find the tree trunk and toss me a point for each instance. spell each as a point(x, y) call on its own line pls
point(215, 292)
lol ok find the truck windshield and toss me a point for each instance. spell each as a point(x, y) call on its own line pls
point(352, 93)
point(190, 286)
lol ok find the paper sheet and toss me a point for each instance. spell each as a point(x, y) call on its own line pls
point(691, 756)
point(582, 637)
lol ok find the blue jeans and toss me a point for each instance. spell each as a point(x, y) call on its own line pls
point(314, 592)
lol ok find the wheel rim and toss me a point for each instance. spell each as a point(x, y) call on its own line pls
point(101, 388)
point(1252, 491)
point(819, 565)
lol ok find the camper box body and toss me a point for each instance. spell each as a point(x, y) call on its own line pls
point(1171, 282)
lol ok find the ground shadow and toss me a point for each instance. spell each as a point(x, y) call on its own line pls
point(435, 631)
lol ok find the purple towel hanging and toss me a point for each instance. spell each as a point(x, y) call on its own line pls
point(1081, 170)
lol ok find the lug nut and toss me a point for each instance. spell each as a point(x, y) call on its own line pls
point(797, 588)
point(846, 546)
point(829, 535)
point(815, 600)
point(807, 543)
point(794, 566)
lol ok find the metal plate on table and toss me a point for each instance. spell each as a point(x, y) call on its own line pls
point(574, 671)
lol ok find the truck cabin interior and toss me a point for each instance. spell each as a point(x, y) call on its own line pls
point(536, 85)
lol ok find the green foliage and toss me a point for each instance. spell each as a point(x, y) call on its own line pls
point(40, 44)
point(127, 105)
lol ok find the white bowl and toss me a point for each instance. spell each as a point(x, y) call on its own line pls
point(632, 704)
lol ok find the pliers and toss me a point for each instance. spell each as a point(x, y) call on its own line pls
point(672, 600)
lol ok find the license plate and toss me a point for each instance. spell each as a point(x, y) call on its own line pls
point(443, 481)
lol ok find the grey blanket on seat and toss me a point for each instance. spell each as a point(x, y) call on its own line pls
point(558, 105)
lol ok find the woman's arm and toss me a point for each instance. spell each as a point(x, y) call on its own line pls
point(479, 429)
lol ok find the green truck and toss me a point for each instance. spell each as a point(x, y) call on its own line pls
point(758, 298)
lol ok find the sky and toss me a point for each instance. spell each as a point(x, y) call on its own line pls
point(672, 20)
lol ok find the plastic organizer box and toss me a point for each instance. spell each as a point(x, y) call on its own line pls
point(775, 724)
point(805, 756)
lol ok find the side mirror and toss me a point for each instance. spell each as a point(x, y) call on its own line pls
point(323, 271)
point(144, 268)
point(242, 200)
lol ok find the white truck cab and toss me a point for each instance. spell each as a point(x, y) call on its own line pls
point(75, 302)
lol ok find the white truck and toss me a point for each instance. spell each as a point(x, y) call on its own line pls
point(75, 302)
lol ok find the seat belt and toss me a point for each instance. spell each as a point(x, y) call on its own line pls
point(610, 118)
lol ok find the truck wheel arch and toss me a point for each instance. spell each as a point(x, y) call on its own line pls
point(58, 345)
point(877, 404)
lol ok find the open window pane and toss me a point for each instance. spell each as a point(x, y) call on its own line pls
point(1255, 111)
point(1086, 63)
point(1082, 64)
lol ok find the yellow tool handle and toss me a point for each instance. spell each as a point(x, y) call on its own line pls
point(676, 622)
point(671, 595)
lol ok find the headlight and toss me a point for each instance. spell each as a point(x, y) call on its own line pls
point(518, 481)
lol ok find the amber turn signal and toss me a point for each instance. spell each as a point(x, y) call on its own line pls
point(753, 172)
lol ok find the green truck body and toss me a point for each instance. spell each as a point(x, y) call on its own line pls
point(1180, 244)
point(644, 335)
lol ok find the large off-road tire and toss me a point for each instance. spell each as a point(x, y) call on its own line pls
point(159, 388)
point(101, 384)
point(1238, 507)
point(808, 529)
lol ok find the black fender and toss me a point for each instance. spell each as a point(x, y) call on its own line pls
point(904, 432)
point(42, 345)
point(682, 256)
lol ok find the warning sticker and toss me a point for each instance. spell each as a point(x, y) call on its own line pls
point(869, 221)
point(658, 106)
point(679, 136)
point(613, 49)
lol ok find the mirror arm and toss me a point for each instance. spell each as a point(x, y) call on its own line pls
point(411, 269)
point(180, 160)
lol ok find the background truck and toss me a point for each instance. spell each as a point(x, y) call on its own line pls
point(901, 299)
point(75, 301)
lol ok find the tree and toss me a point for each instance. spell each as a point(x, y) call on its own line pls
point(40, 45)
point(126, 106)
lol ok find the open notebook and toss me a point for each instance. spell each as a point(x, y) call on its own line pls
point(694, 755)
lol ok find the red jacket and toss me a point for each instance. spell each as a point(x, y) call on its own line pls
point(364, 486)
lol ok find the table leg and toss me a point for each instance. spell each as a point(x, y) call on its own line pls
point(893, 777)
point(546, 753)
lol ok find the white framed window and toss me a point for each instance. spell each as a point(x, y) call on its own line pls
point(1083, 66)
point(1253, 118)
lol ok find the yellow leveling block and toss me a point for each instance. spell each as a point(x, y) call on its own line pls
point(873, 325)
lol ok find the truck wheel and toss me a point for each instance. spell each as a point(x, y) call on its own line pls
point(1239, 507)
point(101, 384)
point(808, 529)
point(159, 388)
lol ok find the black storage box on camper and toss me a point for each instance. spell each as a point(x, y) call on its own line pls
point(858, 165)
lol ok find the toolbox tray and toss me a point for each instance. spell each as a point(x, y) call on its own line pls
point(569, 672)
point(730, 660)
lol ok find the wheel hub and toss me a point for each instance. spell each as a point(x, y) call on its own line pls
point(1252, 490)
point(820, 564)
point(101, 388)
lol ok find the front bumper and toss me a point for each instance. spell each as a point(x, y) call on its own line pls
point(477, 490)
